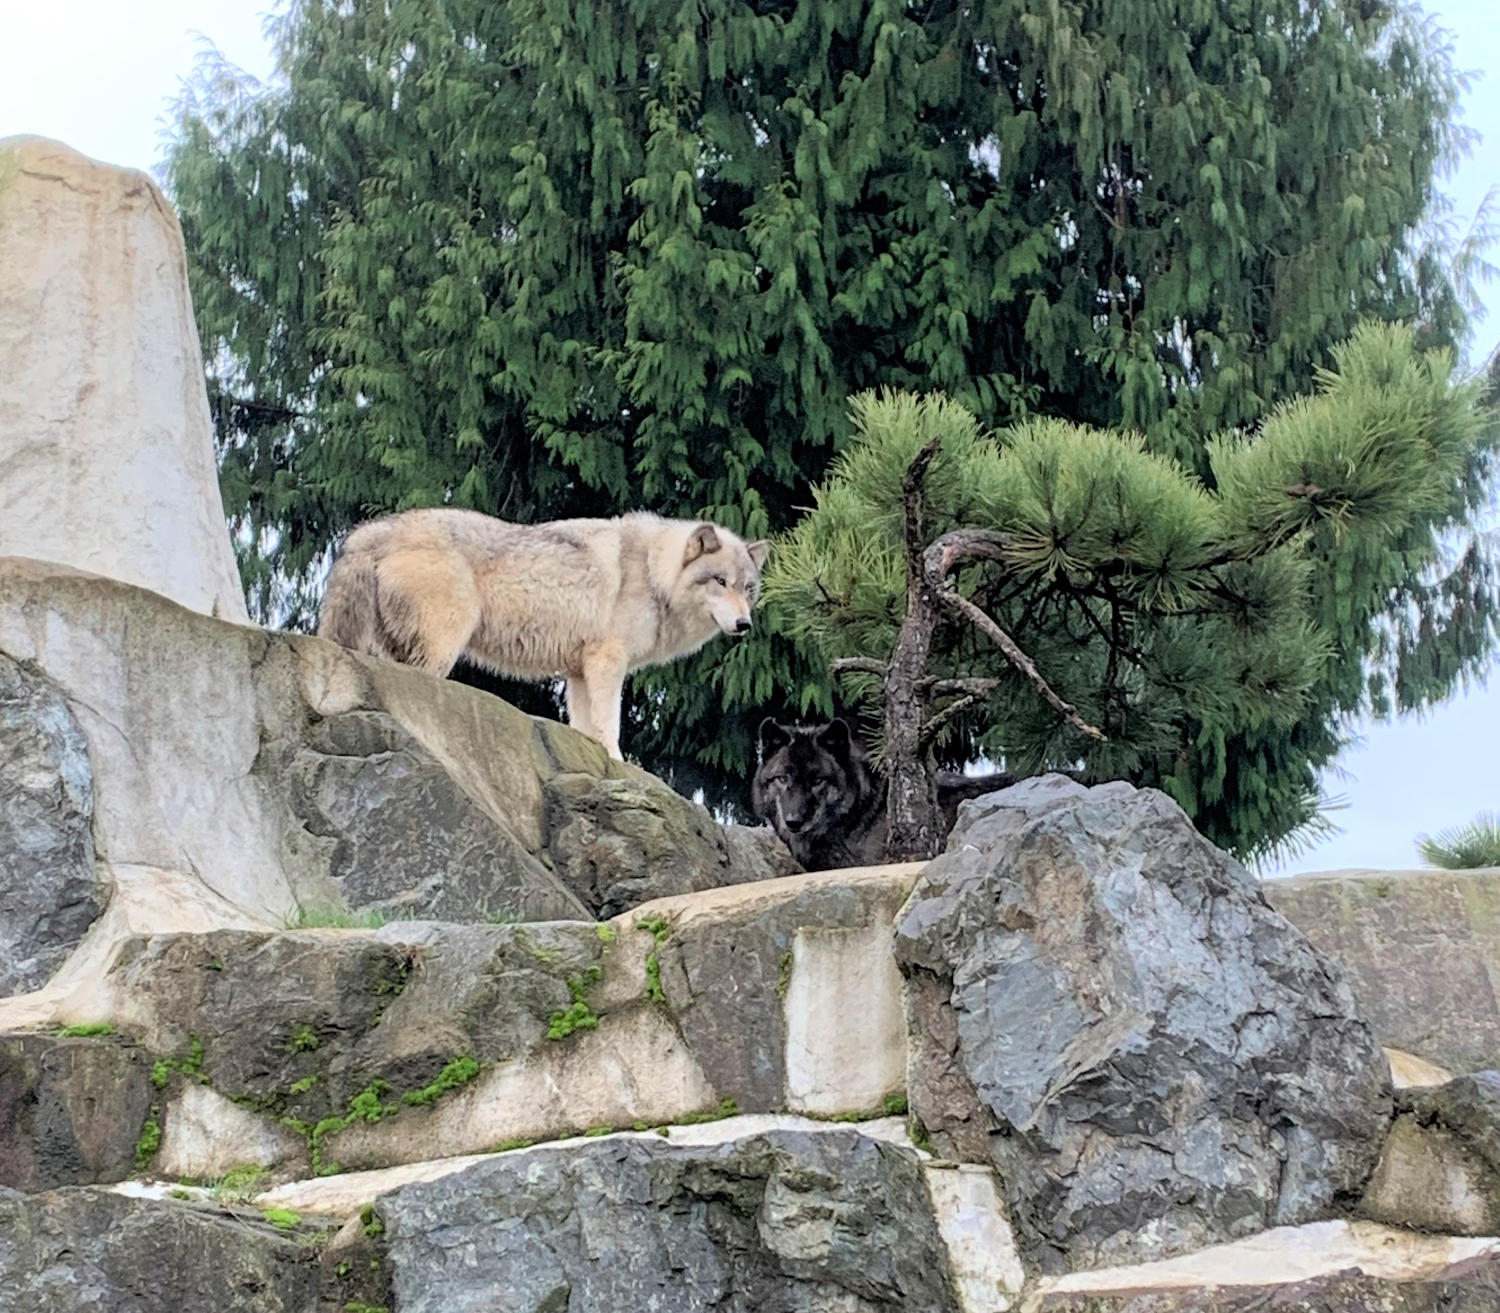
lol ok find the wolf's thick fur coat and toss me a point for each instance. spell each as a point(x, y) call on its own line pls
point(821, 793)
point(589, 600)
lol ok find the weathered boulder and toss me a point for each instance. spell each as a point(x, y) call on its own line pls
point(1103, 1005)
point(91, 1249)
point(71, 1109)
point(104, 417)
point(245, 779)
point(1420, 950)
point(1440, 1168)
point(617, 843)
point(48, 892)
point(299, 1050)
point(785, 1221)
point(1323, 1267)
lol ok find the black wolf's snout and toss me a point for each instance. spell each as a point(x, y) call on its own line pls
point(742, 625)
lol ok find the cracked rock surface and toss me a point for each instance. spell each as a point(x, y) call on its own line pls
point(1103, 1005)
point(785, 1221)
point(48, 894)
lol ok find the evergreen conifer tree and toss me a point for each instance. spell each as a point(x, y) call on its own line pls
point(560, 257)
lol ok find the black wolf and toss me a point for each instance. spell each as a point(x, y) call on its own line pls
point(825, 798)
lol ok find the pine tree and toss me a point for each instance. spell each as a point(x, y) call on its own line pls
point(566, 257)
point(1164, 616)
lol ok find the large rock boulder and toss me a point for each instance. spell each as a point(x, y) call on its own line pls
point(103, 412)
point(787, 1221)
point(71, 1109)
point(1103, 1005)
point(1420, 950)
point(246, 779)
point(1440, 1168)
point(48, 891)
point(89, 1249)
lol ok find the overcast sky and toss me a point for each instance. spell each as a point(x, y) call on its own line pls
point(100, 75)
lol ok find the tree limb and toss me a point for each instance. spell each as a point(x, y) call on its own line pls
point(952, 711)
point(863, 665)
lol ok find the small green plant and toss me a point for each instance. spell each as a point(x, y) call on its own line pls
point(85, 1030)
point(607, 934)
point(283, 1219)
point(578, 1015)
point(304, 1040)
point(594, 1132)
point(177, 1192)
point(366, 1106)
point(336, 918)
point(354, 1306)
point(659, 928)
point(238, 1183)
point(520, 1142)
point(895, 1105)
point(503, 918)
point(458, 1072)
point(161, 1072)
point(149, 1140)
point(1464, 847)
point(784, 975)
point(726, 1108)
point(916, 1132)
point(191, 1065)
point(302, 1086)
point(369, 1223)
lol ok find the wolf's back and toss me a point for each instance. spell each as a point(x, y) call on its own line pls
point(351, 612)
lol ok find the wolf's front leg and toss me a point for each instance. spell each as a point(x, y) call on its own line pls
point(579, 709)
point(604, 668)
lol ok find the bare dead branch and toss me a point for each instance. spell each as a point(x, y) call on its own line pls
point(952, 711)
point(862, 665)
point(962, 606)
point(975, 687)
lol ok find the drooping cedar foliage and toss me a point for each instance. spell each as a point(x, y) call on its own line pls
point(562, 257)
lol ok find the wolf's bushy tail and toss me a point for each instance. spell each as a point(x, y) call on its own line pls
point(350, 605)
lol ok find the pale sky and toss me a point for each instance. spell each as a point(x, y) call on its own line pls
point(100, 75)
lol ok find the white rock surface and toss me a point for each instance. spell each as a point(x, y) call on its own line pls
point(845, 1022)
point(106, 449)
point(971, 1218)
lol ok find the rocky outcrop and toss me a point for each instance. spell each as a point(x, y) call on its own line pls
point(74, 1249)
point(48, 892)
point(1325, 1267)
point(1440, 1168)
point(1103, 1005)
point(318, 1050)
point(787, 1221)
point(71, 1109)
point(1420, 950)
point(245, 779)
point(103, 412)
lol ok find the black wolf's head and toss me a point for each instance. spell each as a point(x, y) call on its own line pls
point(815, 787)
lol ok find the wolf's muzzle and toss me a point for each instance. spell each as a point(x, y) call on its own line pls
point(742, 625)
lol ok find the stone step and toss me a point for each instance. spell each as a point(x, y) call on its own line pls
point(314, 1051)
point(1330, 1267)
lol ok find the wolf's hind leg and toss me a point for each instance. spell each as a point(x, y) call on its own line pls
point(429, 608)
point(604, 669)
point(579, 708)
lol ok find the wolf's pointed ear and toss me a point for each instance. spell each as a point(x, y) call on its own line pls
point(759, 550)
point(773, 737)
point(700, 542)
point(835, 738)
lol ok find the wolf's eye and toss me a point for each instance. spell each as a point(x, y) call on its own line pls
point(721, 581)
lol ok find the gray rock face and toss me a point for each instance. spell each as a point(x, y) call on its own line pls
point(1440, 1168)
point(395, 832)
point(786, 1221)
point(48, 897)
point(71, 1109)
point(1103, 1004)
point(89, 1249)
point(1420, 950)
point(617, 843)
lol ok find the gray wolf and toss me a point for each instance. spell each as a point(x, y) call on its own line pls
point(588, 600)
point(819, 790)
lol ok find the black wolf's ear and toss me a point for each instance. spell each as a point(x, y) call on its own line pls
point(835, 738)
point(759, 550)
point(700, 542)
point(773, 737)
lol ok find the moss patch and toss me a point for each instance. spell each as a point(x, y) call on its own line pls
point(457, 1073)
point(85, 1030)
point(578, 1016)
